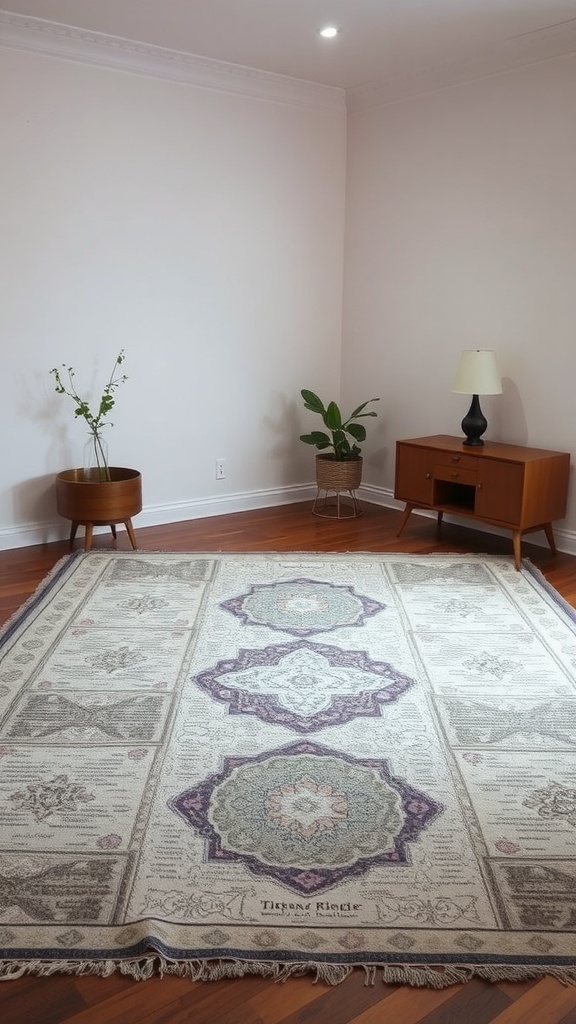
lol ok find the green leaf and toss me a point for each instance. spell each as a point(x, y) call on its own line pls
point(332, 417)
point(358, 411)
point(341, 444)
point(317, 438)
point(357, 430)
point(312, 402)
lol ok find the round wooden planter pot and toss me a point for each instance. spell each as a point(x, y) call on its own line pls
point(93, 502)
point(337, 477)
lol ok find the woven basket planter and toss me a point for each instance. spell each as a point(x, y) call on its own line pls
point(337, 477)
point(334, 475)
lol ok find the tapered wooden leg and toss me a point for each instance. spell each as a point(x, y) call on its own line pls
point(405, 517)
point(517, 543)
point(439, 523)
point(88, 530)
point(130, 531)
point(113, 528)
point(73, 530)
point(550, 537)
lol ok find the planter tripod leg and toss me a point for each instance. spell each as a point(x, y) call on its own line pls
point(113, 528)
point(88, 529)
point(73, 530)
point(130, 531)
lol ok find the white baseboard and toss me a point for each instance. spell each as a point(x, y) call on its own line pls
point(28, 534)
point(565, 539)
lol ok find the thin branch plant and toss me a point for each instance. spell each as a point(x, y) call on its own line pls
point(95, 421)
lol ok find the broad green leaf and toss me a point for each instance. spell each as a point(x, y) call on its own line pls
point(317, 438)
point(312, 402)
point(333, 418)
point(357, 430)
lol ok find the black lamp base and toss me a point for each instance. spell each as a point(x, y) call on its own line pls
point(474, 424)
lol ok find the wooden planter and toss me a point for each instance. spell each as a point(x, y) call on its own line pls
point(337, 477)
point(88, 501)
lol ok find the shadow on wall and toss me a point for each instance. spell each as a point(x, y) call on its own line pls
point(34, 500)
point(510, 419)
point(505, 415)
point(288, 452)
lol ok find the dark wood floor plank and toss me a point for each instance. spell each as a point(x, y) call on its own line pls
point(296, 994)
point(341, 1003)
point(42, 1000)
point(515, 989)
point(546, 1003)
point(570, 1017)
point(95, 989)
point(478, 1002)
point(61, 999)
point(405, 1005)
point(212, 1003)
point(118, 1008)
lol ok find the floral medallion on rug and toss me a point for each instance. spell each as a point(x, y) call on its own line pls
point(220, 764)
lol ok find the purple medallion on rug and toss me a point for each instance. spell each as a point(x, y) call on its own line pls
point(302, 607)
point(303, 685)
point(307, 816)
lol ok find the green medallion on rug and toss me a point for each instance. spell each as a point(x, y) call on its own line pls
point(216, 764)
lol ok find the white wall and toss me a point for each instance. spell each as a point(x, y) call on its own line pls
point(201, 231)
point(461, 233)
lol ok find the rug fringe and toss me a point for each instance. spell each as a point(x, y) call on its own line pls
point(417, 975)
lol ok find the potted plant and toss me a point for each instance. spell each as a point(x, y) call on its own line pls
point(97, 494)
point(339, 468)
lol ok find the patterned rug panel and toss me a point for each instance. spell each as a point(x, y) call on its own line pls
point(273, 763)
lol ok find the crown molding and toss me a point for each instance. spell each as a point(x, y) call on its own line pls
point(548, 44)
point(35, 35)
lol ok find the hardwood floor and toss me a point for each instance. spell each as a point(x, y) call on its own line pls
point(119, 1000)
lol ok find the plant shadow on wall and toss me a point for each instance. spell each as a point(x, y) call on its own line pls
point(281, 428)
point(339, 464)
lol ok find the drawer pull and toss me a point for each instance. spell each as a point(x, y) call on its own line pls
point(455, 458)
point(428, 476)
point(455, 476)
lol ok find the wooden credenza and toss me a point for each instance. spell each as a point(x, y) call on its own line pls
point(506, 485)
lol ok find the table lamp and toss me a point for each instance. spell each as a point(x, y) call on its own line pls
point(477, 374)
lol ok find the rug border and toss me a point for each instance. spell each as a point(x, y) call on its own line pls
point(539, 577)
point(52, 577)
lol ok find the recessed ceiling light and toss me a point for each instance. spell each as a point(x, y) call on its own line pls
point(328, 32)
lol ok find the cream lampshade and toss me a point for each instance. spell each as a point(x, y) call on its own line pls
point(477, 374)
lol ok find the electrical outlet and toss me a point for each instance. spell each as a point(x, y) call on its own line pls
point(220, 471)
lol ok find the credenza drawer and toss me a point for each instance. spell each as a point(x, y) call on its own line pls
point(455, 474)
point(446, 459)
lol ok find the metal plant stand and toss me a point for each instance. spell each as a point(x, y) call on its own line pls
point(336, 507)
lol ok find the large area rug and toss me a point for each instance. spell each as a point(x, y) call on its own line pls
point(220, 764)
